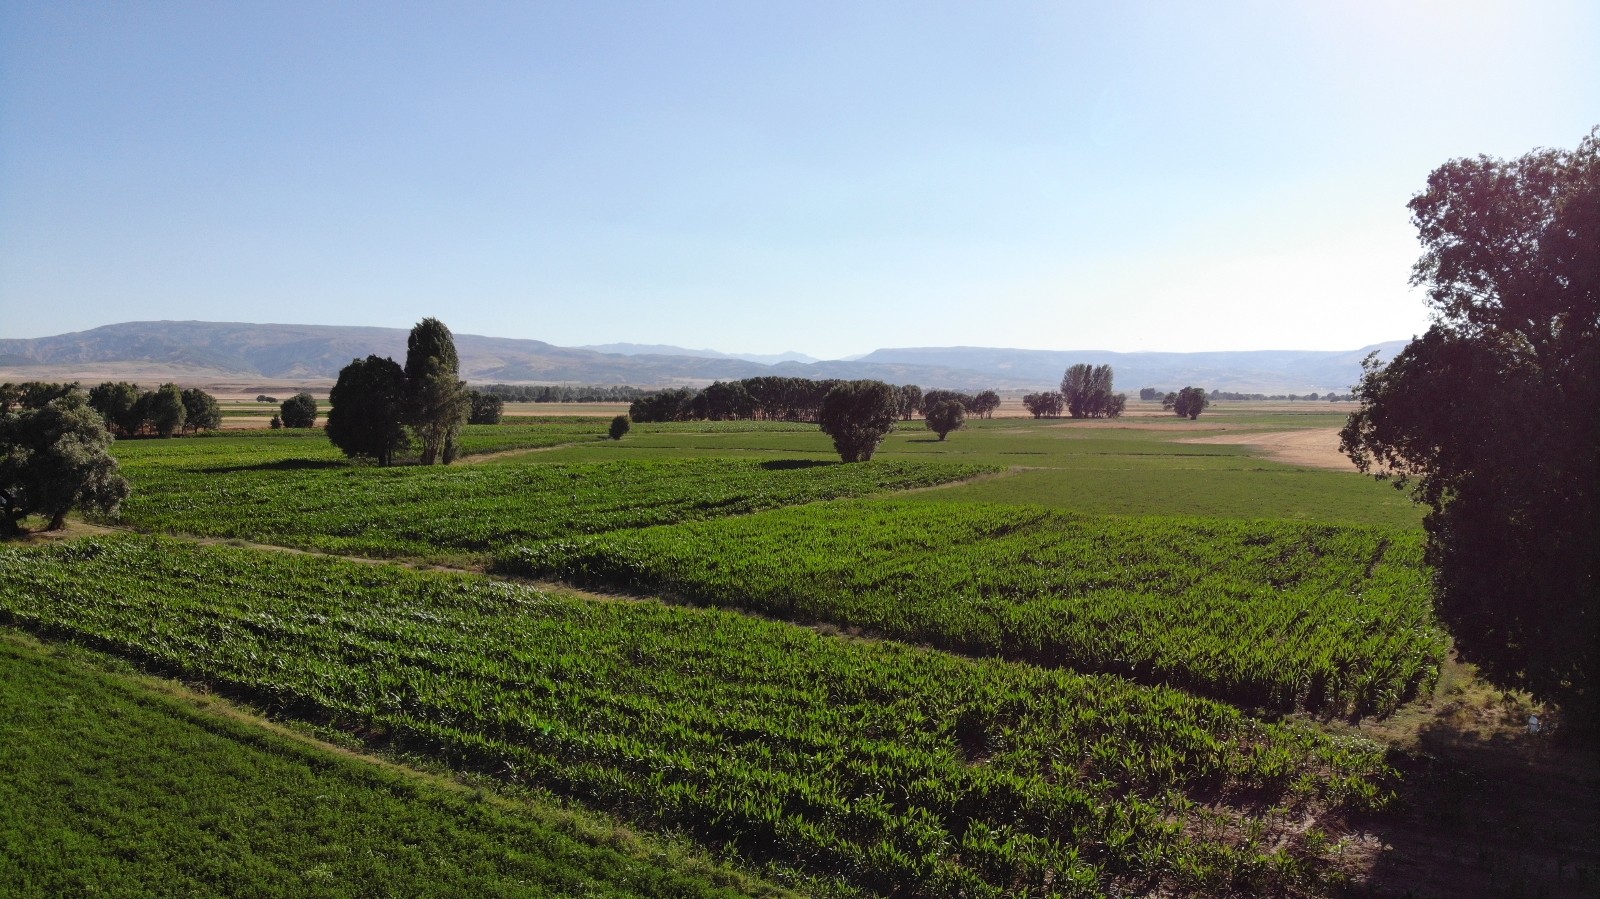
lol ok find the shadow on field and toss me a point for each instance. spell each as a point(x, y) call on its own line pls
point(794, 464)
point(280, 465)
point(1488, 809)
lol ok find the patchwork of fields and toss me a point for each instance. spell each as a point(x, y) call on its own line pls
point(1055, 700)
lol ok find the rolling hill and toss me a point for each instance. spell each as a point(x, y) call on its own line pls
point(194, 352)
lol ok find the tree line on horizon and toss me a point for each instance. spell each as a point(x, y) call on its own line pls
point(777, 398)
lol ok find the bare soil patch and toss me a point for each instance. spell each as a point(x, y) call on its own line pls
point(1307, 447)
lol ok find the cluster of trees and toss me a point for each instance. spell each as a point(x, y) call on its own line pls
point(1186, 403)
point(1086, 389)
point(1151, 393)
point(129, 411)
point(772, 398)
point(577, 393)
point(378, 408)
point(54, 456)
point(1510, 251)
point(1086, 392)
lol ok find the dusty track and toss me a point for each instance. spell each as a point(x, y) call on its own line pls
point(1307, 447)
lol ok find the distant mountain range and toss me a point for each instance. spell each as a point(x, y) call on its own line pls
point(215, 352)
point(662, 349)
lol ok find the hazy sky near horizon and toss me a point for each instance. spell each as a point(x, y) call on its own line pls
point(758, 177)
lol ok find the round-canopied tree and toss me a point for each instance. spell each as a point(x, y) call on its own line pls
point(1190, 402)
point(53, 459)
point(945, 416)
point(299, 411)
point(164, 410)
point(367, 407)
point(619, 427)
point(200, 411)
point(858, 415)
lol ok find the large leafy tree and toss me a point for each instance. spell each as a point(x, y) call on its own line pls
point(858, 415)
point(945, 416)
point(299, 411)
point(1087, 393)
point(1190, 402)
point(200, 411)
point(1492, 417)
point(118, 403)
point(54, 458)
point(164, 410)
point(439, 402)
point(367, 406)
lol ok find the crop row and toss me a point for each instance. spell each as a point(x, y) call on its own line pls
point(908, 771)
point(1271, 614)
point(223, 451)
point(112, 788)
point(440, 512)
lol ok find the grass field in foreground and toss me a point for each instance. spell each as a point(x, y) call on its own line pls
point(114, 788)
point(903, 770)
point(1264, 614)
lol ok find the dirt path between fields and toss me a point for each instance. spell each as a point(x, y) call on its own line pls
point(1307, 447)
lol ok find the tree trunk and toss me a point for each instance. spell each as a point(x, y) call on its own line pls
point(58, 520)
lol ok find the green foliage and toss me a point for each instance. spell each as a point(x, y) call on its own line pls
point(486, 408)
point(1190, 402)
point(118, 403)
point(434, 513)
point(858, 415)
point(1043, 404)
point(1494, 415)
point(1273, 615)
point(668, 405)
point(299, 411)
point(901, 769)
point(1086, 390)
point(619, 427)
point(438, 403)
point(944, 416)
point(163, 410)
point(53, 459)
point(200, 411)
point(368, 404)
point(115, 789)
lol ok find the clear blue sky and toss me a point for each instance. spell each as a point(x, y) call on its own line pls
point(756, 176)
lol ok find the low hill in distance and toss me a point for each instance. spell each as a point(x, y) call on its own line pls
point(192, 352)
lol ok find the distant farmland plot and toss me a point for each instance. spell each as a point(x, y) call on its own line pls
point(459, 512)
point(1277, 615)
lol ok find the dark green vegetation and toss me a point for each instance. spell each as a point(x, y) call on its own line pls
point(467, 512)
point(857, 415)
point(113, 788)
point(1509, 262)
point(1278, 615)
point(899, 769)
point(54, 458)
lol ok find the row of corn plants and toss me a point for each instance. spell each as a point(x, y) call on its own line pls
point(468, 511)
point(906, 771)
point(1270, 614)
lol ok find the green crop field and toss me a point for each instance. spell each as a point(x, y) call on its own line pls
point(1272, 614)
point(464, 512)
point(1099, 624)
point(112, 788)
point(902, 770)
